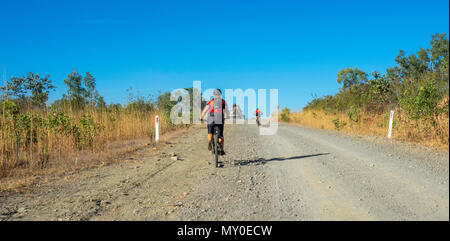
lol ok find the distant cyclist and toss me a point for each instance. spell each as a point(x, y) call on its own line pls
point(216, 108)
point(258, 114)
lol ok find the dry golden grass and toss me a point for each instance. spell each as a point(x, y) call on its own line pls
point(422, 132)
point(25, 180)
point(119, 133)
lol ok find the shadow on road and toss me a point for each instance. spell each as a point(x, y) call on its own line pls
point(264, 161)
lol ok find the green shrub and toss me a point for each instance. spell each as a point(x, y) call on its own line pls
point(60, 123)
point(338, 124)
point(422, 102)
point(354, 114)
point(285, 114)
point(86, 131)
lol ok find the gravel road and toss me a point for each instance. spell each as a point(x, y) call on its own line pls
point(297, 174)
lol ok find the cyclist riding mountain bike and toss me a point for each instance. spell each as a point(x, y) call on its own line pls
point(258, 114)
point(216, 108)
point(236, 112)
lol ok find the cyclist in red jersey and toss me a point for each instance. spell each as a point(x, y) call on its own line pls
point(258, 114)
point(216, 108)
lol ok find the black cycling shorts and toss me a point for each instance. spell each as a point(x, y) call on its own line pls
point(211, 129)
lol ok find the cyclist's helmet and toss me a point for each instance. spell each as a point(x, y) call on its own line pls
point(217, 92)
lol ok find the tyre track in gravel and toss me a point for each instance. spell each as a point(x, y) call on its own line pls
point(131, 190)
point(354, 180)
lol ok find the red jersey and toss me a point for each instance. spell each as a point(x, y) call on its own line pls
point(216, 110)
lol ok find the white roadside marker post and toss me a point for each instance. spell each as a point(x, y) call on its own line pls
point(157, 128)
point(391, 118)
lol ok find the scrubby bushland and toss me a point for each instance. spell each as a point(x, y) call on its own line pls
point(33, 133)
point(416, 88)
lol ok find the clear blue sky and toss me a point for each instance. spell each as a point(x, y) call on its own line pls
point(295, 46)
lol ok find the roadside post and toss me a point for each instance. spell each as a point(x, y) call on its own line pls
point(391, 118)
point(157, 128)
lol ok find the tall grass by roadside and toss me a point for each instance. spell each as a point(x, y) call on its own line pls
point(41, 140)
point(404, 129)
point(31, 140)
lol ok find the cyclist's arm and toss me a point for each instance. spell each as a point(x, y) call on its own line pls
point(204, 111)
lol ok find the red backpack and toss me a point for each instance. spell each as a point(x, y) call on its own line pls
point(213, 110)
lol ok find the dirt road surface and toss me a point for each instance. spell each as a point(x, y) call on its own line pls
point(297, 174)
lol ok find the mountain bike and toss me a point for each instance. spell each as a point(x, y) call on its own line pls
point(216, 147)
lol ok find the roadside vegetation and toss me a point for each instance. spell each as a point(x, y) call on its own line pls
point(417, 89)
point(78, 130)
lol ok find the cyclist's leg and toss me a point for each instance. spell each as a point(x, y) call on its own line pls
point(221, 139)
point(210, 131)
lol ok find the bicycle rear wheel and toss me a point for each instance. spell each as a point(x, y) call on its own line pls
point(216, 145)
